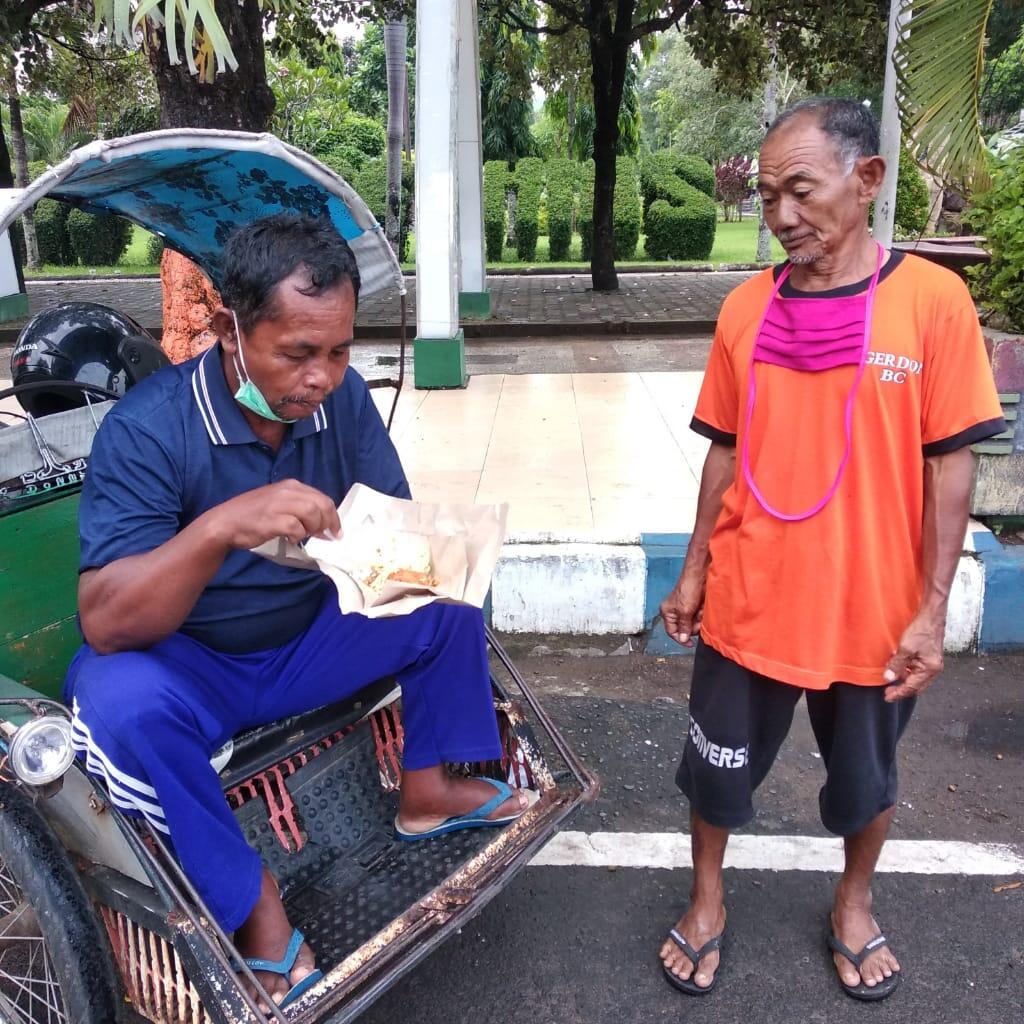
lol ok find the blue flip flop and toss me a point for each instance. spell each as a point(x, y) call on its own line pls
point(284, 967)
point(474, 819)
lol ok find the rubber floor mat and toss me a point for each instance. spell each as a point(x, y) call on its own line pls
point(351, 877)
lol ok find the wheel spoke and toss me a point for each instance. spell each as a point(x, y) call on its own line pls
point(29, 993)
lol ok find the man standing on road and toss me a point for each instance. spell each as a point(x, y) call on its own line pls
point(841, 396)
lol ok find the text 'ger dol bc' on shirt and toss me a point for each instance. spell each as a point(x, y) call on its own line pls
point(826, 599)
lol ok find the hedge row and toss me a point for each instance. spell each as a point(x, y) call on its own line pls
point(684, 184)
point(528, 182)
point(371, 182)
point(626, 211)
point(561, 177)
point(680, 215)
point(586, 209)
point(68, 236)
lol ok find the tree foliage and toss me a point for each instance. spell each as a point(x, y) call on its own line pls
point(508, 56)
point(1002, 92)
point(912, 198)
point(683, 108)
point(366, 71)
point(733, 184)
point(997, 214)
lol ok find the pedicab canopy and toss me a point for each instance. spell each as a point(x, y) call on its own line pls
point(194, 186)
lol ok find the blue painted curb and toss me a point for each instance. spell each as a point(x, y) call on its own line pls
point(665, 553)
point(1002, 617)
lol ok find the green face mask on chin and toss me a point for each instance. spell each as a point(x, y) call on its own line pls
point(248, 395)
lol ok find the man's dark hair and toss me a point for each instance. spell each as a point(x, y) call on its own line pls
point(851, 125)
point(259, 256)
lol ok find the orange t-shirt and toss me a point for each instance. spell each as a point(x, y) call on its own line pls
point(826, 599)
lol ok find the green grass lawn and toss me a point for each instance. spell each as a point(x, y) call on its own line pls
point(735, 242)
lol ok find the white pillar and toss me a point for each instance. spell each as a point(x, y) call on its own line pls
point(885, 204)
point(473, 298)
point(439, 355)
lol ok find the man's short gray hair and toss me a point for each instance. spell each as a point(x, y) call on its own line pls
point(851, 125)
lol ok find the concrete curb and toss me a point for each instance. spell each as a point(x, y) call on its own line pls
point(600, 584)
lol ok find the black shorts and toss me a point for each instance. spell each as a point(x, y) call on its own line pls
point(738, 720)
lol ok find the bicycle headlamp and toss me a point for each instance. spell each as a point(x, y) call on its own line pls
point(41, 750)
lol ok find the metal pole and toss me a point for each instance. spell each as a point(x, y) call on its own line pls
point(885, 205)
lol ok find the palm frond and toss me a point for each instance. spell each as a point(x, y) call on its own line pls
point(940, 58)
point(81, 117)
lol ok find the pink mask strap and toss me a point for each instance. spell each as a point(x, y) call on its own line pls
point(847, 415)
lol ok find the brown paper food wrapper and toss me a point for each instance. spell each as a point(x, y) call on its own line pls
point(464, 542)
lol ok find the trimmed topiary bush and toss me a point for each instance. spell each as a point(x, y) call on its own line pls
point(626, 212)
point(528, 181)
point(697, 172)
point(52, 233)
point(154, 249)
point(912, 199)
point(100, 239)
point(996, 214)
point(586, 208)
point(496, 180)
point(679, 216)
point(562, 176)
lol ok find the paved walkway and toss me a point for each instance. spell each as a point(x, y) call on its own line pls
point(677, 303)
point(570, 452)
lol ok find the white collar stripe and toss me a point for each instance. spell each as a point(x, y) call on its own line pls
point(209, 404)
point(202, 408)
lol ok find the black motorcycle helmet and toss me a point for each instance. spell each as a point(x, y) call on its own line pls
point(83, 343)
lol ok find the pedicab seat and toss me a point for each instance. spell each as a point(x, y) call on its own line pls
point(259, 748)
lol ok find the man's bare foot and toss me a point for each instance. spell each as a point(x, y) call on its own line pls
point(266, 934)
point(702, 922)
point(432, 795)
point(853, 925)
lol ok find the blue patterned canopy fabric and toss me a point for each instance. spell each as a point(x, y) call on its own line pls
point(195, 186)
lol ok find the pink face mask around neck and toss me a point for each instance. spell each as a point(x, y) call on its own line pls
point(811, 335)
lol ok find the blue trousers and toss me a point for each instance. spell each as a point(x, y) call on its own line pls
point(148, 721)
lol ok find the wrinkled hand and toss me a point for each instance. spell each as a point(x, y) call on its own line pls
point(286, 509)
point(917, 662)
point(683, 609)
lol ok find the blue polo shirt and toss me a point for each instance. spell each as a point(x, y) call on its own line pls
point(177, 445)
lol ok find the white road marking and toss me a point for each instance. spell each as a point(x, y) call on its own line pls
point(776, 853)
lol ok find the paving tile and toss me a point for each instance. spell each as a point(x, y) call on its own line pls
point(515, 299)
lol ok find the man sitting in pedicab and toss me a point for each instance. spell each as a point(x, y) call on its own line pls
point(191, 638)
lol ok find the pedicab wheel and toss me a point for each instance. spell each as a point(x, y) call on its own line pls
point(54, 964)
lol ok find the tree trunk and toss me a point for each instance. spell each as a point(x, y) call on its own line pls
point(771, 89)
point(609, 54)
point(407, 131)
point(28, 222)
point(395, 57)
point(7, 181)
point(239, 100)
point(6, 171)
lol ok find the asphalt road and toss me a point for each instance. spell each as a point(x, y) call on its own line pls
point(573, 944)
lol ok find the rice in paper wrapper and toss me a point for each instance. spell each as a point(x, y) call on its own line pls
point(395, 556)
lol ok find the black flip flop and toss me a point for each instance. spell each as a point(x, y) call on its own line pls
point(864, 992)
point(687, 985)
